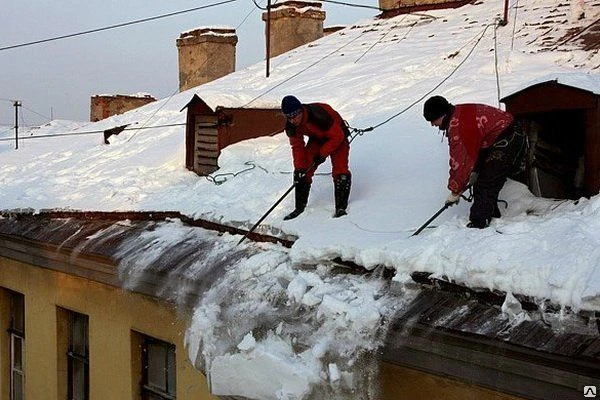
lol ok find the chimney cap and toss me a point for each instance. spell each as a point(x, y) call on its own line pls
point(296, 4)
point(208, 30)
point(140, 95)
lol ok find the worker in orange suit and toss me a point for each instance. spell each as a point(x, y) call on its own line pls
point(327, 136)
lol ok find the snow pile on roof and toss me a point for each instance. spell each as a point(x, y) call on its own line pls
point(296, 329)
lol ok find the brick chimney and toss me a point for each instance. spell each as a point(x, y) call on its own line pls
point(104, 106)
point(205, 54)
point(294, 23)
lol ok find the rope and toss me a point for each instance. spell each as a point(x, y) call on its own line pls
point(383, 37)
point(360, 132)
point(496, 64)
point(154, 113)
point(301, 71)
point(219, 179)
point(512, 41)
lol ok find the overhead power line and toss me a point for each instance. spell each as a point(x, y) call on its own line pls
point(353, 5)
point(115, 26)
point(177, 90)
point(64, 134)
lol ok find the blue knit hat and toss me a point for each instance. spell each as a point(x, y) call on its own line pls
point(291, 106)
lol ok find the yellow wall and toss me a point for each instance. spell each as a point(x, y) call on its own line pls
point(113, 314)
point(408, 384)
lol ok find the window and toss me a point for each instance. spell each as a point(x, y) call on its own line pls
point(78, 357)
point(16, 330)
point(158, 370)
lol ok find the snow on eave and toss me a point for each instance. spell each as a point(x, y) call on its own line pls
point(233, 100)
point(584, 81)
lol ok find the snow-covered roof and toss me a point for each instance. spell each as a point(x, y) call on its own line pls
point(376, 73)
point(588, 81)
point(234, 99)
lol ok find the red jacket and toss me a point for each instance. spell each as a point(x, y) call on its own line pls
point(319, 123)
point(472, 127)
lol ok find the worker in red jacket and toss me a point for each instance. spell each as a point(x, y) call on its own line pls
point(327, 137)
point(486, 147)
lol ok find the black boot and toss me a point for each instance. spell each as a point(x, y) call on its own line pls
point(301, 192)
point(342, 192)
point(496, 213)
point(478, 224)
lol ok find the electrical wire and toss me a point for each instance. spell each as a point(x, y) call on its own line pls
point(36, 113)
point(245, 18)
point(258, 6)
point(303, 70)
point(115, 26)
point(177, 90)
point(62, 134)
point(436, 86)
point(353, 5)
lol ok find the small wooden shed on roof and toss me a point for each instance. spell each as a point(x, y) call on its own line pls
point(209, 130)
point(561, 116)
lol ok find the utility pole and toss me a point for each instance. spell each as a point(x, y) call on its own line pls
point(268, 39)
point(505, 21)
point(17, 104)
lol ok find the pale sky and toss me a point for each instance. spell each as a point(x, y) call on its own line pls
point(58, 78)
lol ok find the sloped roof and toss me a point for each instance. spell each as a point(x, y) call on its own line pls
point(585, 81)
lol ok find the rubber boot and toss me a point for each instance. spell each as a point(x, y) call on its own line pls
point(342, 192)
point(496, 213)
point(301, 191)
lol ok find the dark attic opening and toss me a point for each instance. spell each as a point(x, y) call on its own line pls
point(562, 124)
point(556, 159)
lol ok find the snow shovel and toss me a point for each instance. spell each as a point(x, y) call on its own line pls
point(434, 216)
point(268, 212)
point(314, 165)
point(441, 210)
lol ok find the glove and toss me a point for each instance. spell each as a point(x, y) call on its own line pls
point(299, 175)
point(452, 199)
point(473, 178)
point(319, 159)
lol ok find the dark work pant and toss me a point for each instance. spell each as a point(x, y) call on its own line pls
point(495, 164)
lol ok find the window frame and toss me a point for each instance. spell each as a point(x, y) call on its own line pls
point(74, 357)
point(148, 390)
point(16, 333)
